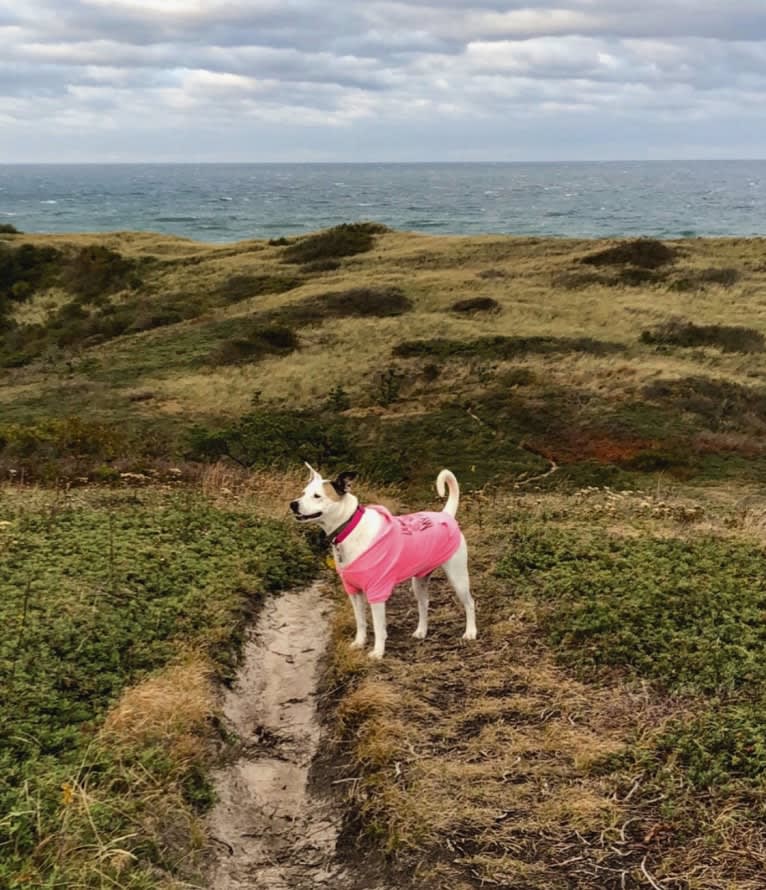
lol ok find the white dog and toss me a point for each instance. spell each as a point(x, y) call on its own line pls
point(374, 551)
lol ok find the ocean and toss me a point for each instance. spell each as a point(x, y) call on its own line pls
point(230, 202)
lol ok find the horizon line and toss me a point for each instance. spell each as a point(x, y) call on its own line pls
point(107, 163)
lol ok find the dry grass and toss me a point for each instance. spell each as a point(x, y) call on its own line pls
point(477, 765)
point(169, 708)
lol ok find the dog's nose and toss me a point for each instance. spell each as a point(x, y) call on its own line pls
point(294, 506)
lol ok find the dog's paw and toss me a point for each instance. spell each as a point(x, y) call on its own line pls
point(419, 634)
point(375, 655)
point(470, 634)
point(357, 644)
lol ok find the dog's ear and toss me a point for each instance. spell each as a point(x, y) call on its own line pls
point(311, 470)
point(343, 483)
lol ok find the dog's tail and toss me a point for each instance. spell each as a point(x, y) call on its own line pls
point(446, 476)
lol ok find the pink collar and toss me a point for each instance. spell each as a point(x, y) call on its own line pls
point(345, 530)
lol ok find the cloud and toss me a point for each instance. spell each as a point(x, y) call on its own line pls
point(416, 79)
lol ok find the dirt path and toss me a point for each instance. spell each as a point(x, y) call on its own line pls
point(271, 831)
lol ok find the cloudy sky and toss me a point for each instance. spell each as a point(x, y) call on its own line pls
point(365, 80)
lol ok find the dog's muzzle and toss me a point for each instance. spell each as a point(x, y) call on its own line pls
point(295, 507)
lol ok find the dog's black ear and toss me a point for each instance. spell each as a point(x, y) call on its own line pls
point(343, 483)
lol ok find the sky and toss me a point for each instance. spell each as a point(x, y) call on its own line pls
point(374, 80)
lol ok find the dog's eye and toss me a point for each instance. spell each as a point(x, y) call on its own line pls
point(317, 495)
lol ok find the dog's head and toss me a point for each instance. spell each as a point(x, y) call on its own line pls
point(323, 499)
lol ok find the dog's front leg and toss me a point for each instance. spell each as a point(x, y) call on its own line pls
point(379, 629)
point(358, 603)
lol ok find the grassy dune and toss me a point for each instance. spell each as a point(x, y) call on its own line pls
point(603, 405)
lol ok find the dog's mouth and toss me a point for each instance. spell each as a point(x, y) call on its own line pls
point(304, 517)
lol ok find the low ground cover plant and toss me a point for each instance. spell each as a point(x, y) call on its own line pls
point(97, 596)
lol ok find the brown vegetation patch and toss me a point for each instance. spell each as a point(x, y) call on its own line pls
point(475, 304)
point(577, 445)
point(259, 341)
point(729, 338)
point(242, 287)
point(358, 302)
point(167, 707)
point(646, 253)
point(720, 403)
point(501, 347)
point(347, 239)
point(578, 280)
point(698, 280)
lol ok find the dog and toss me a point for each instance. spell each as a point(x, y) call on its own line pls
point(374, 551)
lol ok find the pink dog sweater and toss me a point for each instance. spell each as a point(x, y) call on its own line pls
point(409, 546)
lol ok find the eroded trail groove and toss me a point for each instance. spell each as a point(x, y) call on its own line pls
point(270, 830)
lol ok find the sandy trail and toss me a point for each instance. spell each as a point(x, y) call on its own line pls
point(270, 830)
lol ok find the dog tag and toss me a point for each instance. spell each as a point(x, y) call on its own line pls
point(330, 562)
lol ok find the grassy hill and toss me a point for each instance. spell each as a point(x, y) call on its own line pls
point(603, 405)
point(493, 355)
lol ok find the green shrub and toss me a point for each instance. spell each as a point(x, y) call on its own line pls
point(387, 385)
point(57, 438)
point(729, 338)
point(284, 438)
point(502, 347)
point(632, 277)
point(475, 304)
point(8, 229)
point(259, 341)
point(721, 404)
point(700, 280)
point(646, 253)
point(96, 271)
point(688, 614)
point(243, 287)
point(578, 280)
point(92, 599)
point(358, 302)
point(328, 265)
point(725, 744)
point(26, 268)
point(343, 240)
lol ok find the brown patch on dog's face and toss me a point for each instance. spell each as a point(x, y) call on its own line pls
point(330, 491)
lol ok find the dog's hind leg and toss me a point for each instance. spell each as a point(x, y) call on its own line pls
point(456, 570)
point(358, 604)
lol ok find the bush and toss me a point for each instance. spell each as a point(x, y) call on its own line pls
point(343, 240)
point(27, 268)
point(8, 229)
point(328, 265)
point(646, 253)
point(96, 271)
point(726, 743)
point(476, 304)
point(371, 302)
point(501, 347)
point(688, 614)
point(700, 280)
point(260, 341)
point(92, 600)
point(637, 277)
point(578, 280)
point(720, 403)
point(729, 338)
point(67, 437)
point(242, 287)
point(266, 438)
